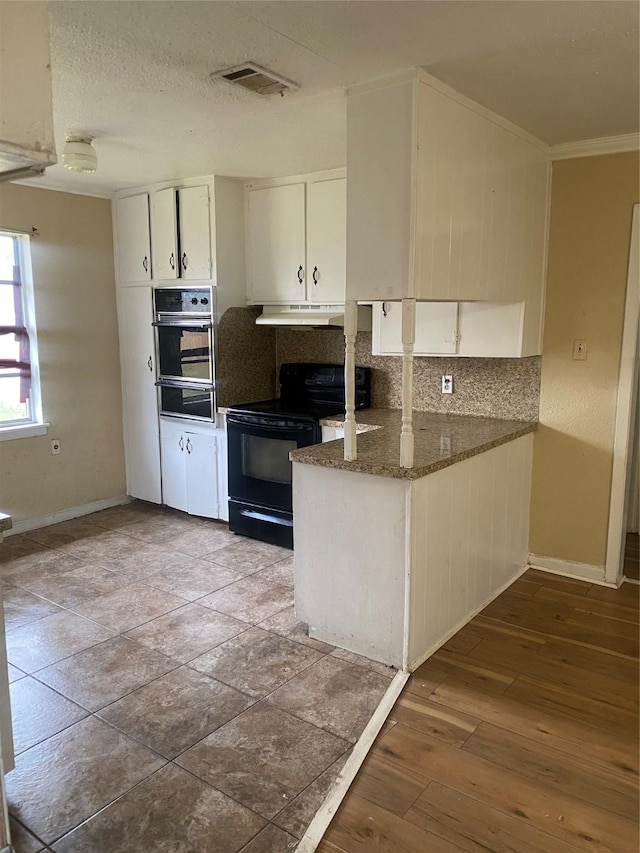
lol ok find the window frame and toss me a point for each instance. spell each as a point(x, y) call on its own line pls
point(36, 424)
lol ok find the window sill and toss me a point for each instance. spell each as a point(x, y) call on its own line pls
point(22, 431)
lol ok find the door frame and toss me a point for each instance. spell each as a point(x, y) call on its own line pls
point(624, 411)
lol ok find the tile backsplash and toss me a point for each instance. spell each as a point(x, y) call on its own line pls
point(495, 387)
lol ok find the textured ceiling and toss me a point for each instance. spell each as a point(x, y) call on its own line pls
point(135, 75)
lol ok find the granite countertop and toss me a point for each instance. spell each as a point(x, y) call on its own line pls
point(5, 523)
point(439, 441)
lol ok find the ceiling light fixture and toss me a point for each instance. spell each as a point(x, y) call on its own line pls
point(79, 154)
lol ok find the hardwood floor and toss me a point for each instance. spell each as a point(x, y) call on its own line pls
point(520, 735)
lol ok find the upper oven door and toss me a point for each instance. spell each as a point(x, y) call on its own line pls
point(259, 465)
point(185, 351)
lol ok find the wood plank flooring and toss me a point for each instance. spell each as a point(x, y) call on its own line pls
point(520, 735)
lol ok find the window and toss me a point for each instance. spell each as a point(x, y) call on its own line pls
point(20, 407)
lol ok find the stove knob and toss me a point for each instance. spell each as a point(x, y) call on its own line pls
point(194, 301)
point(204, 301)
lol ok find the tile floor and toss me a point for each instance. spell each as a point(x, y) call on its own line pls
point(164, 696)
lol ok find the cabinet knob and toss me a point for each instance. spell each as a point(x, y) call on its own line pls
point(185, 261)
point(150, 363)
point(300, 274)
point(145, 263)
point(314, 275)
point(172, 261)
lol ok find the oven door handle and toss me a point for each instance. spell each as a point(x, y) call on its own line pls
point(266, 424)
point(191, 386)
point(183, 324)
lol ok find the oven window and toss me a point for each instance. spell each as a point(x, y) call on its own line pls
point(267, 458)
point(187, 402)
point(185, 353)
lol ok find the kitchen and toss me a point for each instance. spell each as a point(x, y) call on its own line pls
point(77, 318)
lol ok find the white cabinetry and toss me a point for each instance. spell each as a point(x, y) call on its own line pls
point(137, 359)
point(297, 241)
point(133, 246)
point(181, 234)
point(447, 201)
point(469, 329)
point(193, 469)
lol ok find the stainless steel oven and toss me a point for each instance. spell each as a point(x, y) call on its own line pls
point(185, 348)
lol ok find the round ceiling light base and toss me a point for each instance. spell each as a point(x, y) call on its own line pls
point(79, 155)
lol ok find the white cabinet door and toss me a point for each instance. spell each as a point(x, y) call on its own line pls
point(195, 233)
point(133, 244)
point(164, 234)
point(326, 241)
point(174, 470)
point(277, 244)
point(137, 355)
point(491, 329)
point(201, 458)
point(436, 328)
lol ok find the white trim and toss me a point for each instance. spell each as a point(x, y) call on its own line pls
point(624, 409)
point(434, 648)
point(594, 147)
point(65, 514)
point(568, 569)
point(9, 433)
point(324, 815)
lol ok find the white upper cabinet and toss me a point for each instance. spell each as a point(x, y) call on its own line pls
point(132, 235)
point(296, 241)
point(164, 234)
point(277, 244)
point(195, 233)
point(447, 201)
point(326, 241)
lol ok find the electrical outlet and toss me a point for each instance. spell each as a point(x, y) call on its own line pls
point(55, 446)
point(579, 351)
point(447, 383)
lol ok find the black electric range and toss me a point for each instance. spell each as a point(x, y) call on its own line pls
point(260, 436)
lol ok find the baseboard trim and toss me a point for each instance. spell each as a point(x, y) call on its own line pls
point(324, 815)
point(66, 514)
point(579, 571)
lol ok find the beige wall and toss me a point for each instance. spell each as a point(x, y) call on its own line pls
point(78, 345)
point(591, 209)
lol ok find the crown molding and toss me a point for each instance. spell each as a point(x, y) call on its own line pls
point(593, 147)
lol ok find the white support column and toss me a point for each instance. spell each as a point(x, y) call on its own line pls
point(408, 339)
point(350, 332)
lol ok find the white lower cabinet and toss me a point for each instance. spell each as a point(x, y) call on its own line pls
point(194, 469)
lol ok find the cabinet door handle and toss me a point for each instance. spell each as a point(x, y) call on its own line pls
point(314, 275)
point(181, 443)
point(300, 274)
point(145, 263)
point(150, 363)
point(384, 309)
point(185, 261)
point(189, 446)
point(172, 261)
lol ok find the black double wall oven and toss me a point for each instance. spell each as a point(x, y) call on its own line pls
point(261, 435)
point(185, 351)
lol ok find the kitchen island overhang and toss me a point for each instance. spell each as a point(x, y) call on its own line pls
point(390, 562)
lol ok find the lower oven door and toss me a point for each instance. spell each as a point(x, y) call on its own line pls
point(259, 466)
point(184, 400)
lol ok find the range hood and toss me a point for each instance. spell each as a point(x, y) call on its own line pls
point(27, 144)
point(312, 316)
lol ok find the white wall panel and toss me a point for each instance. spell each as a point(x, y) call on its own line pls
point(483, 501)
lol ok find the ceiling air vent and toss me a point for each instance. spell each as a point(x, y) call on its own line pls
point(256, 79)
